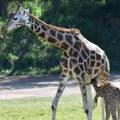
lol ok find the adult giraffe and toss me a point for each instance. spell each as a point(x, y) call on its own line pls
point(82, 60)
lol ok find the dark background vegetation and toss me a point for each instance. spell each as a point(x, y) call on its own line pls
point(22, 52)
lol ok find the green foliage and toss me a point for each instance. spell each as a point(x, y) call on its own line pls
point(22, 52)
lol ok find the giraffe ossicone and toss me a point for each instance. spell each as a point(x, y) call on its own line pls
point(81, 60)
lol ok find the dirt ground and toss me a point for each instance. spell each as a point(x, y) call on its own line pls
point(40, 86)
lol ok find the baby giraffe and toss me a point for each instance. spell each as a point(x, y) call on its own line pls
point(111, 95)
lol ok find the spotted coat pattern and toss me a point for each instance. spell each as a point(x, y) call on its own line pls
point(111, 95)
point(82, 60)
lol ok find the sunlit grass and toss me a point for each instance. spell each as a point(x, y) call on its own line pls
point(69, 108)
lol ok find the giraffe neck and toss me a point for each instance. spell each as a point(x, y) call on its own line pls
point(99, 90)
point(59, 37)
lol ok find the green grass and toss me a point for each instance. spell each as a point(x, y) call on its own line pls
point(69, 108)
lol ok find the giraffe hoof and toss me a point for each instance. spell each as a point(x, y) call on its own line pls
point(53, 108)
point(86, 111)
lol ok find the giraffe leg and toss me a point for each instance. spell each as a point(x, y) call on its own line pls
point(61, 87)
point(107, 110)
point(113, 110)
point(87, 100)
point(103, 108)
point(119, 113)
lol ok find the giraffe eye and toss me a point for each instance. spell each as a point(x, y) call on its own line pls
point(15, 18)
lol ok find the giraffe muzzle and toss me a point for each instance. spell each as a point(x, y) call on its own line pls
point(4, 29)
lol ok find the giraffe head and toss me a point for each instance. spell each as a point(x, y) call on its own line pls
point(16, 20)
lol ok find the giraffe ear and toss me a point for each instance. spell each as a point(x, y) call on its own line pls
point(26, 11)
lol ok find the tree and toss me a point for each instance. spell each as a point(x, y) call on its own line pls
point(55, 4)
point(3, 7)
point(113, 2)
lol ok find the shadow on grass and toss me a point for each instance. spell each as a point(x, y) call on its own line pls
point(38, 81)
point(28, 82)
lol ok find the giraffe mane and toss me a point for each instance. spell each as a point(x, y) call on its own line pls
point(38, 20)
point(63, 29)
point(52, 26)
